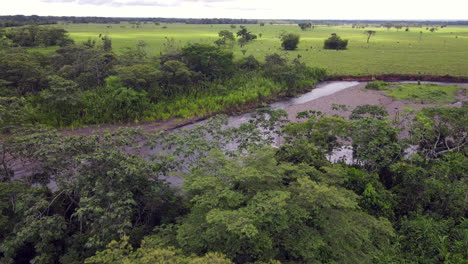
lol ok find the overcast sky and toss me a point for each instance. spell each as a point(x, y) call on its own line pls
point(283, 9)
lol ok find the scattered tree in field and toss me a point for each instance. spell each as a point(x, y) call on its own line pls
point(245, 36)
point(369, 34)
point(335, 42)
point(290, 41)
point(305, 25)
point(398, 27)
point(262, 24)
point(359, 25)
point(233, 26)
point(226, 37)
point(388, 26)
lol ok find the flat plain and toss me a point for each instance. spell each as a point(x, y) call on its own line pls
point(442, 52)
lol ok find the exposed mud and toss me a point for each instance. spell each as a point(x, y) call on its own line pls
point(358, 95)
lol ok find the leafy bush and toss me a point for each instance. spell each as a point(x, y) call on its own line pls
point(290, 41)
point(249, 63)
point(335, 42)
point(377, 85)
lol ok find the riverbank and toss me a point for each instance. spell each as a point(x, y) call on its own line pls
point(358, 95)
point(400, 77)
point(351, 97)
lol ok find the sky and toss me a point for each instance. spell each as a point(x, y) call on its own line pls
point(260, 9)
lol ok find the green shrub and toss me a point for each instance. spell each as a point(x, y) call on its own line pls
point(377, 85)
point(335, 42)
point(290, 41)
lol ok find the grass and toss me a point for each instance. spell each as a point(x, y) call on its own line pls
point(442, 52)
point(419, 92)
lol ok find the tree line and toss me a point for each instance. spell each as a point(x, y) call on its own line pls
point(21, 20)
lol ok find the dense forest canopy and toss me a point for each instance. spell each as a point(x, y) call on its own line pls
point(251, 204)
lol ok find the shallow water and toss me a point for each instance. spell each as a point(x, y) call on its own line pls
point(321, 90)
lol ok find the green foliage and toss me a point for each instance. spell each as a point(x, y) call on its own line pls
point(32, 36)
point(102, 193)
point(322, 132)
point(14, 113)
point(305, 26)
point(375, 143)
point(377, 85)
point(87, 67)
point(244, 208)
point(374, 111)
point(141, 77)
point(245, 36)
point(290, 41)
point(428, 240)
point(61, 102)
point(21, 73)
point(439, 130)
point(211, 61)
point(296, 76)
point(106, 45)
point(435, 187)
point(425, 93)
point(251, 204)
point(175, 78)
point(335, 42)
point(123, 103)
point(369, 34)
point(226, 38)
point(248, 63)
point(122, 252)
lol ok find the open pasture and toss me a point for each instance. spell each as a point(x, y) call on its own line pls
point(443, 52)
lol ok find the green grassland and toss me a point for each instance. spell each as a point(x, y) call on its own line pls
point(442, 52)
point(427, 93)
point(419, 92)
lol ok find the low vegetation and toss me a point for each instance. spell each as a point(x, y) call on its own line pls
point(418, 92)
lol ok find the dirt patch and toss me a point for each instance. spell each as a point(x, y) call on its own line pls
point(358, 95)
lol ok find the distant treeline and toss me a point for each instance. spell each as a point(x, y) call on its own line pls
point(20, 20)
point(379, 22)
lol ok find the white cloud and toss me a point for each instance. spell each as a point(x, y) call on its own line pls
point(293, 9)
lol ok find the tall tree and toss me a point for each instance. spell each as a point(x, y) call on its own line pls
point(369, 34)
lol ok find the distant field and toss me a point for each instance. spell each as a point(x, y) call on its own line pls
point(438, 53)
